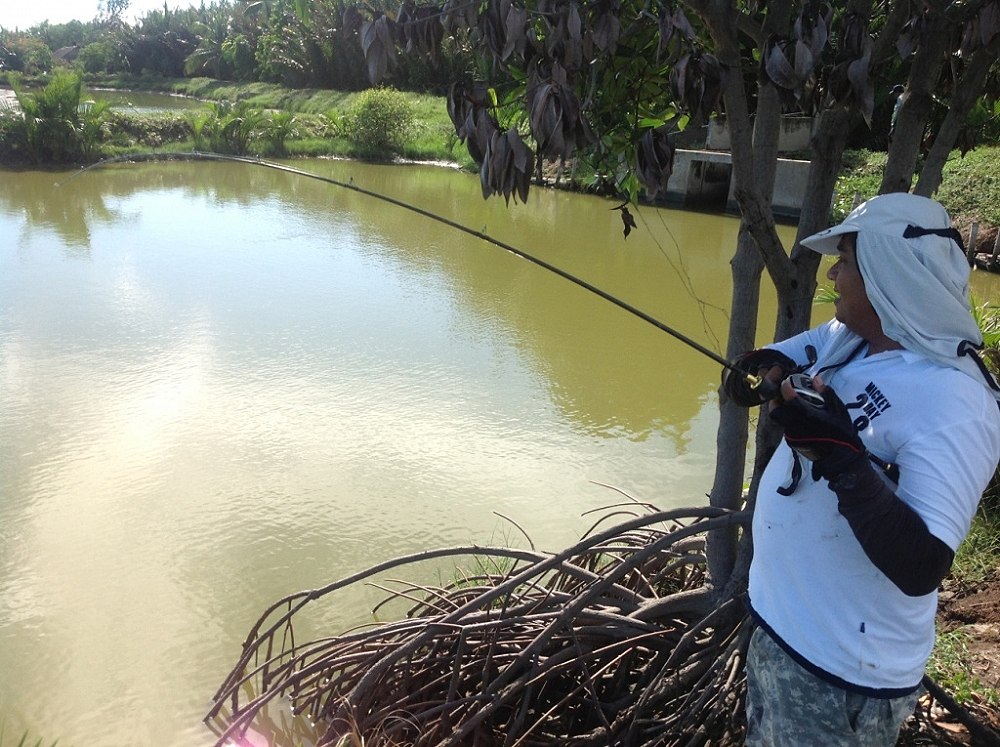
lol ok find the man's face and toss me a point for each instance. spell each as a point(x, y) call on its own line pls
point(853, 307)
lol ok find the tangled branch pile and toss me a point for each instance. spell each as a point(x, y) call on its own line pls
point(616, 640)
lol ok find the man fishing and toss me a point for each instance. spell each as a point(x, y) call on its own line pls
point(863, 505)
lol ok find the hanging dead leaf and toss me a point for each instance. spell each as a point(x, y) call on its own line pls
point(493, 25)
point(628, 222)
point(909, 37)
point(778, 66)
point(468, 108)
point(506, 168)
point(352, 18)
point(420, 28)
point(458, 15)
point(377, 46)
point(516, 33)
point(654, 161)
point(607, 27)
point(696, 83)
point(862, 90)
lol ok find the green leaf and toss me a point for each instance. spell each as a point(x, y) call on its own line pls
point(652, 122)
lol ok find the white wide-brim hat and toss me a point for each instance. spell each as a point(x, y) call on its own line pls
point(897, 215)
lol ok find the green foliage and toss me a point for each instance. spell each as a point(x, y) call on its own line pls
point(129, 130)
point(233, 128)
point(987, 316)
point(238, 54)
point(859, 180)
point(825, 294)
point(24, 53)
point(279, 127)
point(55, 126)
point(96, 57)
point(274, 122)
point(979, 554)
point(984, 121)
point(380, 121)
point(92, 128)
point(11, 128)
point(971, 185)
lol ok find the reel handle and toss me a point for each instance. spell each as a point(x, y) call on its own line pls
point(802, 385)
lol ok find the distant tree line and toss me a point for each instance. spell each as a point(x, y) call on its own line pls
point(295, 44)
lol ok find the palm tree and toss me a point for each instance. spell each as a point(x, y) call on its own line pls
point(212, 32)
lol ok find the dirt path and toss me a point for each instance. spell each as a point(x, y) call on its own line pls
point(978, 612)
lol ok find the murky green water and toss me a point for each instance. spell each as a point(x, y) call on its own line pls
point(141, 102)
point(136, 102)
point(220, 384)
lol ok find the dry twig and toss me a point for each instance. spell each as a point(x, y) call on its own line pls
point(615, 640)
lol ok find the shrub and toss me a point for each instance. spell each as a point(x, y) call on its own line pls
point(380, 120)
point(25, 54)
point(230, 128)
point(55, 127)
point(278, 128)
point(860, 178)
point(96, 57)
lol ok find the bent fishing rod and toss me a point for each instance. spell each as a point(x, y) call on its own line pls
point(755, 382)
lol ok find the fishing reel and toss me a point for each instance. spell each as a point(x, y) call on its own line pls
point(801, 384)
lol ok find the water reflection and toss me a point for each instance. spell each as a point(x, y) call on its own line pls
point(223, 384)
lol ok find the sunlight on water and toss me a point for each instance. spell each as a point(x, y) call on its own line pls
point(223, 384)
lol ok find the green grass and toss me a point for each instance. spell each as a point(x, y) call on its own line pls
point(319, 117)
point(970, 186)
point(949, 668)
point(861, 177)
point(978, 556)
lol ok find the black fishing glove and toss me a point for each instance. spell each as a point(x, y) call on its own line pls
point(825, 435)
point(756, 362)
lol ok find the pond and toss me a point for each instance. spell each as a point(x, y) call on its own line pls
point(223, 384)
point(135, 102)
point(141, 102)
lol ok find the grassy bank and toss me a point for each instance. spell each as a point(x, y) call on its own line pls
point(241, 119)
point(970, 187)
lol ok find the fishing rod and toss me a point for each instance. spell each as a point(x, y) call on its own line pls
point(769, 389)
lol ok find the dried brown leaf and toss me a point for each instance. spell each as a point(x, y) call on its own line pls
point(628, 222)
point(376, 45)
point(908, 39)
point(778, 67)
point(516, 33)
point(682, 24)
point(351, 19)
point(988, 22)
point(654, 161)
point(607, 31)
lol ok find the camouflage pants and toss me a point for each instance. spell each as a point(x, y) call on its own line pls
point(788, 706)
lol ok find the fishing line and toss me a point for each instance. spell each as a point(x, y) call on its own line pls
point(754, 381)
point(768, 388)
point(681, 271)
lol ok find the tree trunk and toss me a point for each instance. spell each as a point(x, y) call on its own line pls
point(915, 111)
point(754, 158)
point(966, 90)
point(797, 290)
